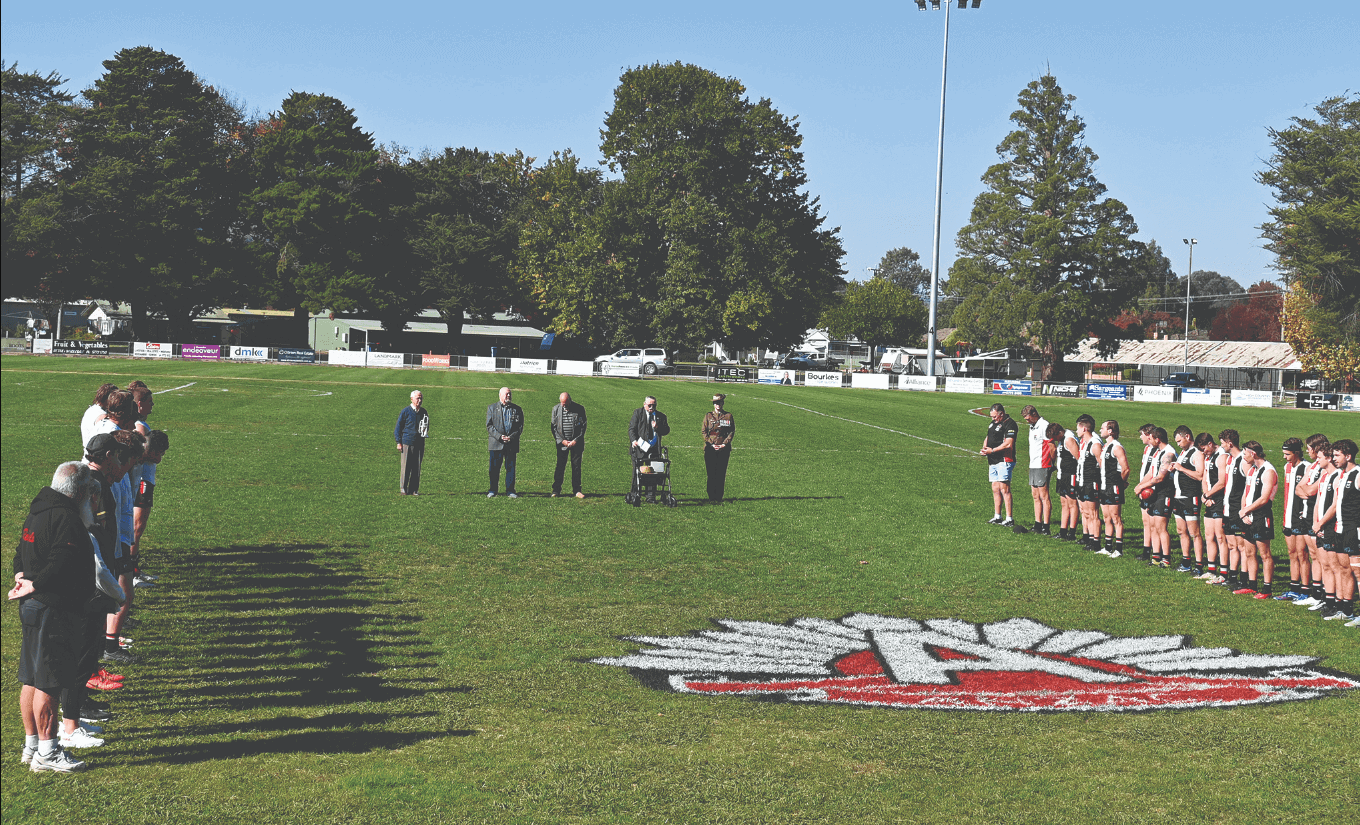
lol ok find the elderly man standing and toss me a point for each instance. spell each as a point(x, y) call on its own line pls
point(54, 566)
point(645, 430)
point(504, 425)
point(413, 425)
point(569, 434)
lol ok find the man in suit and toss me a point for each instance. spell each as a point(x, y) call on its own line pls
point(504, 424)
point(569, 434)
point(645, 430)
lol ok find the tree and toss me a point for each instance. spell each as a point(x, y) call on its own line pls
point(147, 197)
point(708, 236)
point(31, 119)
point(1044, 257)
point(1314, 232)
point(1255, 319)
point(324, 227)
point(877, 311)
point(903, 267)
point(1210, 294)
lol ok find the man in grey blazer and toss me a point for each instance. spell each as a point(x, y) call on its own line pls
point(569, 434)
point(504, 424)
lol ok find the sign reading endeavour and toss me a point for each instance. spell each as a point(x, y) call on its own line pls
point(950, 664)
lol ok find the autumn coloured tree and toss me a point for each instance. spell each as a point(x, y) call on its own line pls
point(1255, 319)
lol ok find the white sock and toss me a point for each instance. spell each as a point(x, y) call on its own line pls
point(46, 746)
point(31, 742)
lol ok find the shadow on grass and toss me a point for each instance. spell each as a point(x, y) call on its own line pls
point(261, 628)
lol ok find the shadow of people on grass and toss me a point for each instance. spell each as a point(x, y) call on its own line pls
point(303, 629)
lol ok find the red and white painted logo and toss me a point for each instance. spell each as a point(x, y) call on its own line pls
point(949, 664)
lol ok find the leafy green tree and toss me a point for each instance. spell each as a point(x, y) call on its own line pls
point(1210, 294)
point(878, 312)
point(708, 236)
point(1044, 258)
point(32, 115)
point(323, 216)
point(903, 267)
point(1314, 232)
point(147, 198)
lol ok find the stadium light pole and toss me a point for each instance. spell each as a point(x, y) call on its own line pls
point(1190, 270)
point(939, 182)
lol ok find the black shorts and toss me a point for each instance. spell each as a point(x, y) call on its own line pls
point(1350, 543)
point(1233, 526)
point(1065, 489)
point(1213, 511)
point(1186, 508)
point(1112, 498)
point(1329, 541)
point(49, 656)
point(1088, 492)
point(1261, 528)
point(1158, 506)
point(1294, 531)
point(146, 494)
point(122, 563)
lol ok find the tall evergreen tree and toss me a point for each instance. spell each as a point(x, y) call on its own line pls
point(1045, 258)
point(32, 115)
point(903, 267)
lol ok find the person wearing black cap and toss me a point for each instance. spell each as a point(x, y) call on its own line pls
point(719, 427)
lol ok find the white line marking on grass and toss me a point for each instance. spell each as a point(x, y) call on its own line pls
point(863, 424)
point(172, 389)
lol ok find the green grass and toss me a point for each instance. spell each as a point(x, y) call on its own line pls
point(328, 651)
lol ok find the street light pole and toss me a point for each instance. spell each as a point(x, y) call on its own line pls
point(1190, 270)
point(939, 185)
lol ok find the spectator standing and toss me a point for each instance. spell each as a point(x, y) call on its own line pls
point(413, 425)
point(504, 425)
point(568, 425)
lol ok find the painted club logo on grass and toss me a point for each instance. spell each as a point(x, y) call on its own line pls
point(949, 664)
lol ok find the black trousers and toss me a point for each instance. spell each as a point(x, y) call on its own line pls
point(574, 453)
point(715, 462)
point(412, 455)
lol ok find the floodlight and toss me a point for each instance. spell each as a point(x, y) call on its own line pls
point(921, 4)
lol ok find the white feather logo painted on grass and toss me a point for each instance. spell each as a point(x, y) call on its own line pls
point(949, 664)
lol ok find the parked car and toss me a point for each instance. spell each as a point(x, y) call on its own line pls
point(1183, 379)
point(651, 359)
point(810, 361)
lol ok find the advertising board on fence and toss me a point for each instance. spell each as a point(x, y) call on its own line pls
point(481, 363)
point(151, 350)
point(430, 360)
point(1165, 394)
point(625, 370)
point(297, 355)
point(1200, 395)
point(920, 383)
point(347, 358)
point(249, 354)
point(784, 377)
point(869, 380)
point(1109, 392)
point(734, 373)
point(386, 359)
point(575, 367)
point(200, 352)
point(1250, 398)
point(1063, 390)
point(41, 345)
point(534, 365)
point(970, 385)
point(1317, 401)
point(80, 347)
point(1350, 403)
point(1012, 388)
point(822, 379)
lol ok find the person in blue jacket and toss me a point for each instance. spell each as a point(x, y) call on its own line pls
point(412, 426)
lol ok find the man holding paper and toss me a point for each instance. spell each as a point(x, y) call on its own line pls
point(645, 430)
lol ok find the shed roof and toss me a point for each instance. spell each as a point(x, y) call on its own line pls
point(1272, 355)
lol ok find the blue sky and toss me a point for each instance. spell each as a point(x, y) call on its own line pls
point(1176, 96)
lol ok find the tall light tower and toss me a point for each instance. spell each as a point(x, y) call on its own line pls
point(939, 182)
point(1190, 242)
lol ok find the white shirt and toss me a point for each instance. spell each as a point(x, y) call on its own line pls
point(1037, 436)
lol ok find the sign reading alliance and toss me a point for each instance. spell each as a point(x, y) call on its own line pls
point(949, 664)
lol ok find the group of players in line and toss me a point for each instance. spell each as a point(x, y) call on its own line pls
point(1236, 487)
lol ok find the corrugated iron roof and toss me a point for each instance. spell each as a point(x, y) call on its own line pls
point(1271, 355)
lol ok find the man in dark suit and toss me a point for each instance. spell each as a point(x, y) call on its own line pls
point(645, 430)
point(569, 434)
point(504, 424)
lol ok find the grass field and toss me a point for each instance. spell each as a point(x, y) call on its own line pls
point(325, 650)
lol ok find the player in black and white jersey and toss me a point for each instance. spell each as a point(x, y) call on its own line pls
point(1295, 521)
point(1337, 527)
point(1156, 476)
point(1232, 506)
point(1187, 476)
point(1215, 478)
point(1068, 448)
point(1258, 520)
point(1088, 481)
point(1114, 478)
point(1319, 451)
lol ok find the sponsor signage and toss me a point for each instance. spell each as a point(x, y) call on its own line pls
point(297, 355)
point(386, 359)
point(1350, 403)
point(152, 350)
point(1166, 394)
point(534, 365)
point(614, 368)
point(249, 354)
point(776, 377)
point(1200, 395)
point(481, 363)
point(200, 352)
point(822, 379)
point(959, 384)
point(1111, 392)
point(1012, 388)
point(428, 360)
point(1250, 398)
point(921, 383)
point(41, 345)
point(1317, 401)
point(1063, 390)
point(869, 380)
point(347, 358)
point(575, 367)
point(80, 347)
point(724, 373)
point(1016, 665)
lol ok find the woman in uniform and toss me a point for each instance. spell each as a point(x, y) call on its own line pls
point(719, 427)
